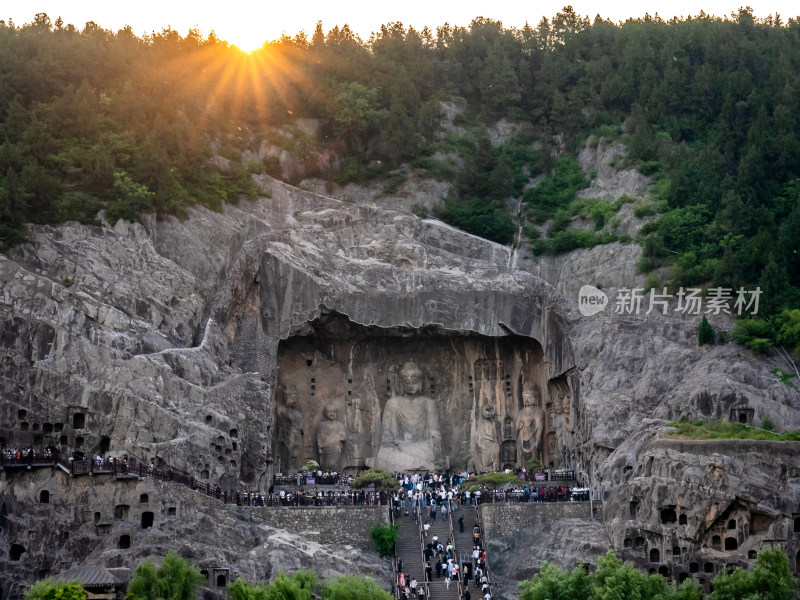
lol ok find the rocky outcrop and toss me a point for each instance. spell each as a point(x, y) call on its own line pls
point(168, 340)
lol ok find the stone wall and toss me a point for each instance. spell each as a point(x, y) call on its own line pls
point(345, 526)
point(501, 520)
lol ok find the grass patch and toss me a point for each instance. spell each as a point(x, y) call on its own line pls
point(723, 429)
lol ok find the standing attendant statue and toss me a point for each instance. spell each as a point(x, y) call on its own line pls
point(289, 429)
point(530, 426)
point(487, 442)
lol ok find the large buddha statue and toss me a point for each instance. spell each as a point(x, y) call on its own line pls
point(331, 436)
point(530, 426)
point(410, 439)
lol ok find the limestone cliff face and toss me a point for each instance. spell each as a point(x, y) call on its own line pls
point(169, 340)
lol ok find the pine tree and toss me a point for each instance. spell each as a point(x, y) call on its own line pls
point(705, 334)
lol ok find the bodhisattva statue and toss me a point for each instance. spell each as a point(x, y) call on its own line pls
point(487, 442)
point(530, 426)
point(289, 429)
point(410, 440)
point(331, 435)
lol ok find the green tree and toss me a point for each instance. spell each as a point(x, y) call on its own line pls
point(128, 198)
point(385, 536)
point(50, 589)
point(555, 583)
point(494, 480)
point(705, 333)
point(380, 478)
point(353, 587)
point(175, 579)
point(770, 579)
point(299, 586)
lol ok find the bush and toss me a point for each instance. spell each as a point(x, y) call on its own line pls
point(353, 587)
point(651, 167)
point(705, 333)
point(385, 536)
point(652, 281)
point(645, 264)
point(754, 334)
point(480, 217)
point(556, 191)
point(419, 209)
point(50, 589)
point(299, 586)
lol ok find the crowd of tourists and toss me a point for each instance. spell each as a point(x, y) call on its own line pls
point(11, 455)
point(429, 497)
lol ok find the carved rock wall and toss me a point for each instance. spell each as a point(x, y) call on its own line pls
point(355, 369)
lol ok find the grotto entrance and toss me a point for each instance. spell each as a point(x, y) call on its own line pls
point(351, 396)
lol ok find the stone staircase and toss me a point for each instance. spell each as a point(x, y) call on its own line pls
point(464, 540)
point(438, 587)
point(409, 549)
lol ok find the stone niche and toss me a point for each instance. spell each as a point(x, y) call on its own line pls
point(336, 378)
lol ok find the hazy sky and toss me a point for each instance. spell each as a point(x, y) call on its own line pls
point(248, 23)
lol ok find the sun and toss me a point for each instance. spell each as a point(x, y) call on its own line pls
point(249, 42)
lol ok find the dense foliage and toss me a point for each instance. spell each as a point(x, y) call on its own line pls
point(50, 589)
point(491, 481)
point(385, 536)
point(93, 119)
point(175, 579)
point(380, 478)
point(303, 585)
point(299, 586)
point(770, 579)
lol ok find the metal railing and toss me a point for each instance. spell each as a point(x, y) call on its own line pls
point(483, 546)
point(453, 543)
point(548, 494)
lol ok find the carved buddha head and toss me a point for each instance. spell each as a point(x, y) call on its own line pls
point(290, 394)
point(330, 412)
point(530, 395)
point(411, 376)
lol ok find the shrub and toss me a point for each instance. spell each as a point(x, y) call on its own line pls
point(49, 589)
point(651, 167)
point(705, 333)
point(385, 536)
point(419, 209)
point(753, 334)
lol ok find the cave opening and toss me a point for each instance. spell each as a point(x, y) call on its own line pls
point(16, 551)
point(341, 380)
point(147, 520)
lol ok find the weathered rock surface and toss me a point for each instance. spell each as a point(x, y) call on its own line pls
point(165, 341)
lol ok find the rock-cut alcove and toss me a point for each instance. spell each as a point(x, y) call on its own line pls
point(351, 396)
